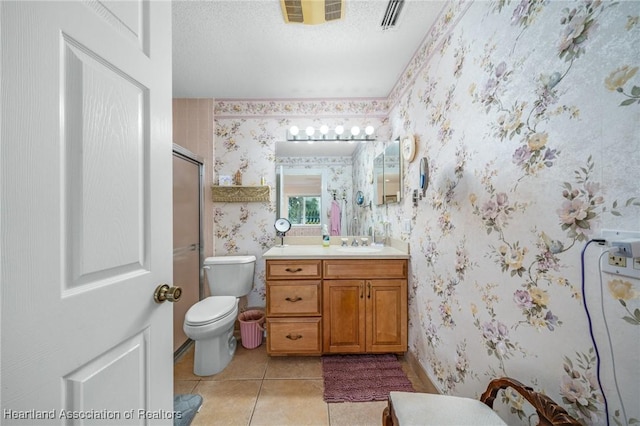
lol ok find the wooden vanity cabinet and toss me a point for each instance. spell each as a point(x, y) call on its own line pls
point(364, 306)
point(336, 306)
point(294, 307)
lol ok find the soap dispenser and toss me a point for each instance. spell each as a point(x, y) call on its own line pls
point(326, 239)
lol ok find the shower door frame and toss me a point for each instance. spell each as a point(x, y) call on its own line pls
point(196, 159)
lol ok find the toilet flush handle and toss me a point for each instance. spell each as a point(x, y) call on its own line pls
point(164, 292)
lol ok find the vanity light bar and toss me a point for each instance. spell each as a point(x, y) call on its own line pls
point(325, 134)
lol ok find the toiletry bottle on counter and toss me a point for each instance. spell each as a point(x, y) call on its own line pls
point(326, 239)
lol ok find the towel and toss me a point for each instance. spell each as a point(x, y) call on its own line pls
point(335, 219)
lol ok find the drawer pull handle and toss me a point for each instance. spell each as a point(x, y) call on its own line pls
point(293, 270)
point(369, 289)
point(295, 299)
point(293, 337)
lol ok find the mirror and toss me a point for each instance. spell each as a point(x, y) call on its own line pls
point(392, 173)
point(360, 202)
point(282, 225)
point(378, 179)
point(300, 195)
point(335, 165)
point(387, 175)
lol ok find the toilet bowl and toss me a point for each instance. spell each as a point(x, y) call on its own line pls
point(210, 322)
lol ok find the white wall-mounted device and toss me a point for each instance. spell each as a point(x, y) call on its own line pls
point(624, 253)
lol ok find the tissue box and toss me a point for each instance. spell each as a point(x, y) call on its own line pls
point(225, 181)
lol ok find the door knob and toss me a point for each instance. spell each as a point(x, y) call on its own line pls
point(164, 292)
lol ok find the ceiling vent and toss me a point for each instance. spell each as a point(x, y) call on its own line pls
point(312, 12)
point(390, 18)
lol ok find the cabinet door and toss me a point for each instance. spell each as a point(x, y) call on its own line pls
point(343, 316)
point(386, 307)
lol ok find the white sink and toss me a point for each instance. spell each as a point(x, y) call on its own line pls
point(359, 249)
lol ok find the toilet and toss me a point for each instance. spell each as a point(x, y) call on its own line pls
point(210, 322)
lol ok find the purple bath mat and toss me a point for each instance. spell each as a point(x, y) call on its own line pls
point(360, 378)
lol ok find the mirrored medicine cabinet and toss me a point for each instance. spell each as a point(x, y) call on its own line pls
point(387, 175)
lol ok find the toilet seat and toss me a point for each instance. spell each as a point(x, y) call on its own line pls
point(210, 310)
point(229, 260)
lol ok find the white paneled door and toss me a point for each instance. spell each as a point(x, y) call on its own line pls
point(85, 179)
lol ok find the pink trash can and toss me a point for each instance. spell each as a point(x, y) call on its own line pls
point(251, 328)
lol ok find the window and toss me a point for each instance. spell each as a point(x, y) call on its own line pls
point(304, 209)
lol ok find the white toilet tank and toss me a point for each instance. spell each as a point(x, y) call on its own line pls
point(230, 275)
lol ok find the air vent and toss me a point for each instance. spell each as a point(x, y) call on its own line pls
point(332, 10)
point(312, 11)
point(390, 18)
point(293, 10)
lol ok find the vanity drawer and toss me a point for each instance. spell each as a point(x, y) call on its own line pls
point(294, 298)
point(294, 336)
point(293, 269)
point(365, 269)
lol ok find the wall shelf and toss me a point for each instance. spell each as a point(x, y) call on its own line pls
point(240, 194)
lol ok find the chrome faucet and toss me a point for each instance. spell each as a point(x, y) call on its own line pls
point(354, 243)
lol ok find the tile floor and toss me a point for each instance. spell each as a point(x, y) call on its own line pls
point(256, 389)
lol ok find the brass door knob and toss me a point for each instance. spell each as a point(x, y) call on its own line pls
point(165, 293)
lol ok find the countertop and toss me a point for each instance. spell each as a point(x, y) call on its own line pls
point(316, 251)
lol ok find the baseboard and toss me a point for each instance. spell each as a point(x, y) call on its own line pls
point(412, 360)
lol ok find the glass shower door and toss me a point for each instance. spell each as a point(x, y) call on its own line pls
point(187, 199)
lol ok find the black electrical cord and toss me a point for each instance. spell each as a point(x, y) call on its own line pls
point(593, 339)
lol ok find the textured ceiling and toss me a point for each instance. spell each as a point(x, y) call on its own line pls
point(242, 49)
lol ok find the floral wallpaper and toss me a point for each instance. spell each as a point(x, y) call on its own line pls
point(529, 115)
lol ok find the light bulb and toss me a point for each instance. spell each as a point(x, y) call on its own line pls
point(309, 131)
point(324, 129)
point(369, 130)
point(339, 130)
point(355, 130)
point(294, 130)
